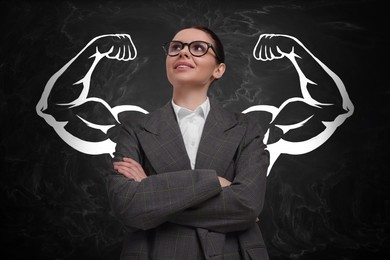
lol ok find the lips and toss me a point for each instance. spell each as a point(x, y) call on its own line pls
point(183, 65)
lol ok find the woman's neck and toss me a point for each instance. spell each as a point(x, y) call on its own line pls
point(189, 98)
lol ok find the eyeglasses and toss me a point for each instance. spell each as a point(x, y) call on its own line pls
point(196, 48)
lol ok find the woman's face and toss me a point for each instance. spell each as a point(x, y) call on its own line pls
point(185, 70)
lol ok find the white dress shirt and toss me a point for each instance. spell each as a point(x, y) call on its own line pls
point(191, 125)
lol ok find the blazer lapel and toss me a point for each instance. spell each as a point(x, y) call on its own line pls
point(163, 143)
point(220, 139)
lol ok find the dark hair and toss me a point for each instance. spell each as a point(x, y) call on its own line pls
point(220, 53)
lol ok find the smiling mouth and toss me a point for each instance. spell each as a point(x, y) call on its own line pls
point(183, 67)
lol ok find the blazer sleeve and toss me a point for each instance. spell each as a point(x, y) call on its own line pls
point(237, 207)
point(151, 202)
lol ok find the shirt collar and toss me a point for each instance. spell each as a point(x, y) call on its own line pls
point(202, 110)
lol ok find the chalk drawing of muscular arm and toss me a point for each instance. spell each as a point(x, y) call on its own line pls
point(74, 80)
point(271, 47)
point(69, 88)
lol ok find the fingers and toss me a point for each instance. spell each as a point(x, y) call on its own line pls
point(259, 49)
point(126, 170)
point(129, 51)
point(130, 169)
point(224, 182)
point(267, 49)
point(123, 48)
point(135, 164)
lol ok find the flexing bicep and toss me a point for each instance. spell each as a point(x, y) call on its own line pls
point(70, 85)
point(318, 83)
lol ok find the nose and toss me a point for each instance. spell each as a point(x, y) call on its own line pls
point(185, 51)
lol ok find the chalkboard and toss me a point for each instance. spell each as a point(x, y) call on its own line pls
point(327, 200)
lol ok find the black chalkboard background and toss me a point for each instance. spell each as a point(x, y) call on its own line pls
point(332, 203)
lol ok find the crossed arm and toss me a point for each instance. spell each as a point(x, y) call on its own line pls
point(197, 198)
point(134, 171)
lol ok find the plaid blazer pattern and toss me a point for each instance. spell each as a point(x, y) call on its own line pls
point(178, 213)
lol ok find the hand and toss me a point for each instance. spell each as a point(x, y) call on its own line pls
point(224, 182)
point(130, 169)
point(115, 46)
point(274, 46)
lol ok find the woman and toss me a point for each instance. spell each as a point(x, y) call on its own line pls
point(189, 179)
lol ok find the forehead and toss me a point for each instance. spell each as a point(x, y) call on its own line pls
point(191, 34)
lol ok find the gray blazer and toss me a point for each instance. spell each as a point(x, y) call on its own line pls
point(182, 214)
